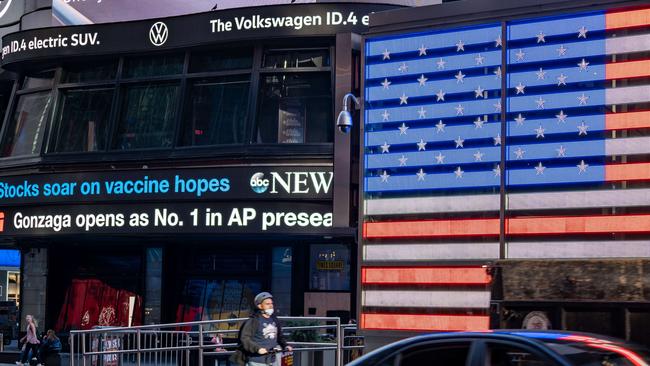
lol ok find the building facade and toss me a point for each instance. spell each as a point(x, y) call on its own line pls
point(168, 169)
point(506, 168)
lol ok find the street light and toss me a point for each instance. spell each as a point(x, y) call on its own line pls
point(344, 121)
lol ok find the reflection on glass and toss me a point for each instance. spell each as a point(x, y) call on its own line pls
point(96, 302)
point(282, 59)
point(281, 279)
point(217, 299)
point(153, 284)
point(97, 71)
point(39, 80)
point(330, 267)
point(295, 108)
point(83, 120)
point(158, 65)
point(148, 116)
point(221, 60)
point(13, 289)
point(218, 112)
point(5, 94)
point(23, 134)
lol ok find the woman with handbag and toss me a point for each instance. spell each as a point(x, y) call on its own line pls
point(30, 340)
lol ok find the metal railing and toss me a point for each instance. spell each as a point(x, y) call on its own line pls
point(315, 340)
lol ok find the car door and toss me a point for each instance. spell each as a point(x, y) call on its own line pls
point(509, 353)
point(442, 353)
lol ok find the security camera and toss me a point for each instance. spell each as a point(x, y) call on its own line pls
point(344, 121)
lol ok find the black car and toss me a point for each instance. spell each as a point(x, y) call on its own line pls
point(508, 348)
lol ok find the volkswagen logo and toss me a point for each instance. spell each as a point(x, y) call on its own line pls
point(158, 34)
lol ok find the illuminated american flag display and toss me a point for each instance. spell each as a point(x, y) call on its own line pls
point(576, 158)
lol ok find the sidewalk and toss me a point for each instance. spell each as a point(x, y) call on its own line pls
point(10, 354)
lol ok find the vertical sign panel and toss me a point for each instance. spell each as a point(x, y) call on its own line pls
point(432, 149)
point(577, 158)
point(578, 153)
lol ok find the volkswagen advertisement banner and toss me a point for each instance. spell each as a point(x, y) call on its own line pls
point(78, 12)
point(265, 22)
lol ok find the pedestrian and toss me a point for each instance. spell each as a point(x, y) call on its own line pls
point(260, 337)
point(50, 345)
point(30, 341)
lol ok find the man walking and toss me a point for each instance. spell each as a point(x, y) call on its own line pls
point(261, 335)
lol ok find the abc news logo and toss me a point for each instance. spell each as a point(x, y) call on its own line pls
point(292, 182)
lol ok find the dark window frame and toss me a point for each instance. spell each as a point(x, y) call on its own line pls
point(53, 140)
point(290, 70)
point(118, 110)
point(187, 79)
point(473, 352)
point(187, 103)
point(482, 346)
point(19, 91)
point(249, 147)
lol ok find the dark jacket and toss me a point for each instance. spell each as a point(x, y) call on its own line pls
point(247, 347)
point(49, 345)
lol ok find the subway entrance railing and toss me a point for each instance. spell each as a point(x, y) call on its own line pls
point(316, 341)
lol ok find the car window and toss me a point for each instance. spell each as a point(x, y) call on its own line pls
point(503, 354)
point(446, 354)
point(600, 353)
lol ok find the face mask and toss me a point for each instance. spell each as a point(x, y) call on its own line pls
point(268, 312)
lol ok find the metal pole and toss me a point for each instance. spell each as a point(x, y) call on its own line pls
point(187, 351)
point(137, 341)
point(339, 343)
point(83, 348)
point(200, 344)
point(72, 355)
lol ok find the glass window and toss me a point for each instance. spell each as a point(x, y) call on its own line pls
point(208, 262)
point(218, 111)
point(509, 355)
point(216, 299)
point(281, 279)
point(13, 287)
point(97, 71)
point(83, 120)
point(329, 267)
point(5, 95)
point(148, 116)
point(158, 65)
point(221, 60)
point(96, 289)
point(38, 80)
point(282, 59)
point(430, 354)
point(23, 133)
point(153, 284)
point(295, 108)
point(587, 351)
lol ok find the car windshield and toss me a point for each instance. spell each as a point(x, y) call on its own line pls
point(588, 351)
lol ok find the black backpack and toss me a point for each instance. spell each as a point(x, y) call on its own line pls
point(239, 357)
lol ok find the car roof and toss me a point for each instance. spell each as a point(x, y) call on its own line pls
point(534, 335)
point(519, 335)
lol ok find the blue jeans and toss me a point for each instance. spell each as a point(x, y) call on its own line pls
point(29, 347)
